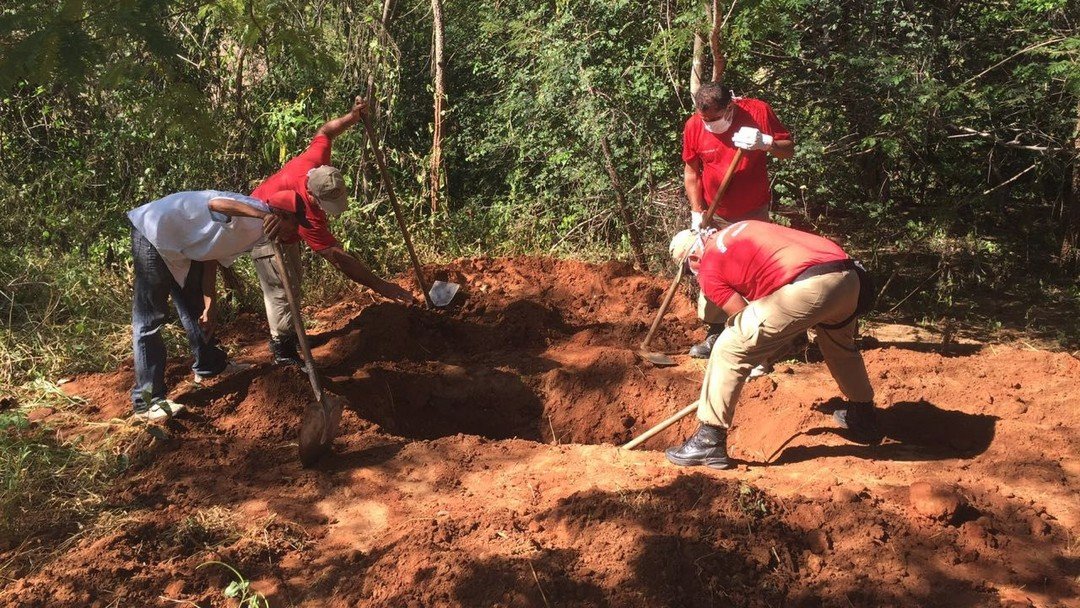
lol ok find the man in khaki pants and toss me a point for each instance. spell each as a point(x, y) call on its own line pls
point(774, 283)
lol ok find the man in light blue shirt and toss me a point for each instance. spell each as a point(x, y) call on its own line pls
point(177, 243)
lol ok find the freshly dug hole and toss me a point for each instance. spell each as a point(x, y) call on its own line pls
point(540, 350)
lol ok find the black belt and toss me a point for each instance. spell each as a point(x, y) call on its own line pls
point(825, 268)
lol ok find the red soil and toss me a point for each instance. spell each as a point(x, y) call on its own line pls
point(464, 473)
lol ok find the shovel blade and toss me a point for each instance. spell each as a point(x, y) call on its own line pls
point(318, 427)
point(657, 359)
point(442, 293)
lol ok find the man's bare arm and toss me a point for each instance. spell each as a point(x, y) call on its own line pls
point(692, 184)
point(782, 148)
point(359, 272)
point(208, 320)
point(276, 223)
point(336, 126)
point(734, 305)
point(233, 208)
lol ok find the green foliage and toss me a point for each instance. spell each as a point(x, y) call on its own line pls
point(58, 318)
point(752, 502)
point(239, 589)
point(937, 140)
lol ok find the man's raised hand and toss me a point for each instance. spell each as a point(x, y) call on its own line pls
point(359, 106)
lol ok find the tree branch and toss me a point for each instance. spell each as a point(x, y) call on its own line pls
point(1010, 58)
point(1008, 144)
point(1010, 180)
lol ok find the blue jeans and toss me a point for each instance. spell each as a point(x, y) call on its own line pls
point(153, 286)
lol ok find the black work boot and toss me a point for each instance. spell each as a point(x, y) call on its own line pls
point(704, 349)
point(283, 350)
point(708, 446)
point(860, 420)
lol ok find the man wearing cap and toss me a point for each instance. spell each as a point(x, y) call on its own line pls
point(177, 243)
point(775, 283)
point(711, 135)
point(322, 190)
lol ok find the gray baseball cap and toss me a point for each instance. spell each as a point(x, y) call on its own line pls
point(328, 187)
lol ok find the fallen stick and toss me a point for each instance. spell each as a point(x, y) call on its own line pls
point(642, 438)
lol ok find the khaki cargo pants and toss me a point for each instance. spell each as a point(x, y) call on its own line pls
point(768, 325)
point(707, 311)
point(276, 302)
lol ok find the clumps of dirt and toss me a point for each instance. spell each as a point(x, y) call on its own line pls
point(936, 501)
point(475, 466)
point(597, 547)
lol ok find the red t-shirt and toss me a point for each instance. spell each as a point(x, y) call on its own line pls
point(754, 259)
point(293, 176)
point(749, 189)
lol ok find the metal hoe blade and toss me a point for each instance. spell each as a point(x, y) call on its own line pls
point(442, 293)
point(657, 359)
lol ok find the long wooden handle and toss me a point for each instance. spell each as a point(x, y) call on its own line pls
point(642, 438)
point(705, 221)
point(728, 175)
point(381, 162)
point(663, 306)
point(298, 323)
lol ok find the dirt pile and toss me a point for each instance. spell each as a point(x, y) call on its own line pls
point(475, 468)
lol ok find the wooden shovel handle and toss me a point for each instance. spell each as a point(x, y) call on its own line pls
point(388, 184)
point(706, 219)
point(642, 438)
point(663, 307)
point(298, 324)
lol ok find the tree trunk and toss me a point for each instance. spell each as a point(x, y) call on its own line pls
point(238, 86)
point(373, 110)
point(439, 65)
point(697, 69)
point(387, 10)
point(719, 62)
point(624, 209)
point(1070, 214)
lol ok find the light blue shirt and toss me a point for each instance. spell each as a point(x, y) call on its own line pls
point(183, 229)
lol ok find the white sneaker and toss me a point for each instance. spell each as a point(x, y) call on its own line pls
point(759, 371)
point(159, 410)
point(230, 369)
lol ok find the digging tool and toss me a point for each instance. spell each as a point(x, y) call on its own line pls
point(642, 438)
point(320, 420)
point(441, 292)
point(660, 359)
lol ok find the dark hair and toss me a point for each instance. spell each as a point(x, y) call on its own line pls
point(712, 95)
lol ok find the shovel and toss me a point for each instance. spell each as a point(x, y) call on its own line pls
point(441, 293)
point(319, 424)
point(660, 359)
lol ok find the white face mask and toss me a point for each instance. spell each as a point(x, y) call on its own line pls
point(718, 126)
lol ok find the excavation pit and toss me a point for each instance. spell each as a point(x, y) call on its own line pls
point(546, 362)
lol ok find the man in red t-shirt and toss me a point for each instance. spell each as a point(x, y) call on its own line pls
point(774, 283)
point(721, 124)
point(323, 192)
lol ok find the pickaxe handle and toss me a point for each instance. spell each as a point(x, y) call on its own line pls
point(706, 220)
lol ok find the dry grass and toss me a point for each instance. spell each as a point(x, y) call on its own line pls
point(53, 482)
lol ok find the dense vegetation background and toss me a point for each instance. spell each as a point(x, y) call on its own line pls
point(939, 140)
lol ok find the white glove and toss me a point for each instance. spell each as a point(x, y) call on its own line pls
point(749, 138)
point(695, 220)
